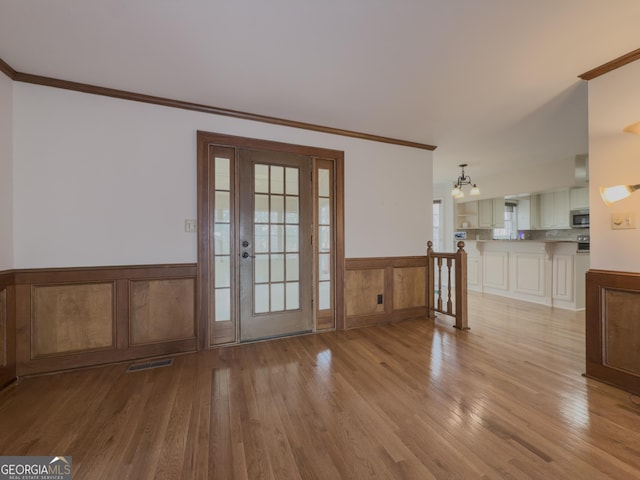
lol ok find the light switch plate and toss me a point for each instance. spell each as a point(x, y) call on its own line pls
point(623, 220)
point(190, 225)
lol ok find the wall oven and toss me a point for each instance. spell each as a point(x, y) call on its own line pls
point(579, 218)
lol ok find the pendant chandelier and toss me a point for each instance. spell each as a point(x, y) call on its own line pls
point(463, 180)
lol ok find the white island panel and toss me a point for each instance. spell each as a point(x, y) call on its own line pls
point(528, 273)
point(545, 272)
point(496, 270)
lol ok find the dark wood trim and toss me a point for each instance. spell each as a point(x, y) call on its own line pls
point(99, 273)
point(8, 331)
point(7, 278)
point(197, 107)
point(340, 261)
point(612, 65)
point(203, 268)
point(234, 141)
point(383, 262)
point(7, 70)
point(597, 283)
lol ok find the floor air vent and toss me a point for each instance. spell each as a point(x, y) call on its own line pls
point(136, 367)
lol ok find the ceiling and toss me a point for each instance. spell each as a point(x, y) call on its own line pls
point(491, 83)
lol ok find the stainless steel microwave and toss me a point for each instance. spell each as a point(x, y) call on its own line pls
point(579, 218)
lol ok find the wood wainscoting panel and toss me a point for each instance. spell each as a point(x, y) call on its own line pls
point(162, 310)
point(67, 318)
point(362, 290)
point(72, 318)
point(400, 280)
point(622, 330)
point(612, 331)
point(409, 287)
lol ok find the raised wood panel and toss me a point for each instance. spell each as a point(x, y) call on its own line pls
point(162, 310)
point(401, 281)
point(72, 318)
point(51, 302)
point(529, 274)
point(362, 290)
point(409, 287)
point(612, 335)
point(622, 330)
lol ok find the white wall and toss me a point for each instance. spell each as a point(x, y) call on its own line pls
point(102, 181)
point(6, 172)
point(614, 158)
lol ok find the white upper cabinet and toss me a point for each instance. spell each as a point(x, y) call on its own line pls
point(528, 213)
point(491, 213)
point(554, 210)
point(579, 198)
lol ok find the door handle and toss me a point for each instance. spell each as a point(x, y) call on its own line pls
point(246, 255)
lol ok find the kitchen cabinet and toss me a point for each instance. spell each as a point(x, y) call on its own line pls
point(467, 215)
point(554, 210)
point(563, 277)
point(491, 213)
point(495, 270)
point(528, 213)
point(579, 198)
point(549, 273)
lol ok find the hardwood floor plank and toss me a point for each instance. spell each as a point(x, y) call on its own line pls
point(410, 400)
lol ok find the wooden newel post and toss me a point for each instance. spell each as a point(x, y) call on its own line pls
point(461, 288)
point(430, 280)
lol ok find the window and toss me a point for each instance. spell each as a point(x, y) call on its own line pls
point(437, 226)
point(510, 229)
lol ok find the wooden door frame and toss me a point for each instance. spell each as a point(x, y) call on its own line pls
point(205, 225)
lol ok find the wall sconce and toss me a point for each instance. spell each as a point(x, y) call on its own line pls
point(633, 128)
point(611, 195)
point(463, 179)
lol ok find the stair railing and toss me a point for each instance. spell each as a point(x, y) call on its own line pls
point(439, 293)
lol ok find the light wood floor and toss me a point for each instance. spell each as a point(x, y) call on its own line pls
point(418, 400)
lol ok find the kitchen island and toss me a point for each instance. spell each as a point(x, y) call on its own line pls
point(539, 271)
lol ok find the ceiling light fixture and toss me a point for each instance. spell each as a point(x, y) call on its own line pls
point(463, 180)
point(611, 195)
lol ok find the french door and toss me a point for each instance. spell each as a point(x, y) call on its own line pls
point(275, 244)
point(270, 239)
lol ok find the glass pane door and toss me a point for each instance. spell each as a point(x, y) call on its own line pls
point(275, 244)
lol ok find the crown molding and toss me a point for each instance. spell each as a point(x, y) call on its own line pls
point(167, 102)
point(7, 70)
point(612, 65)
